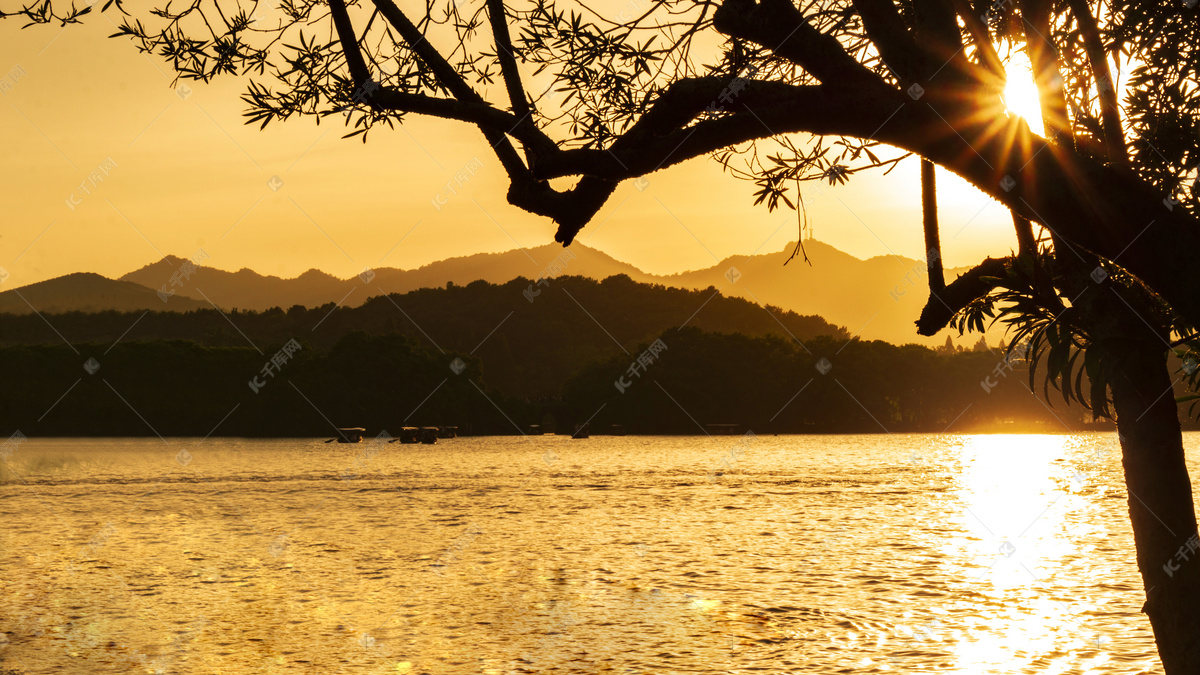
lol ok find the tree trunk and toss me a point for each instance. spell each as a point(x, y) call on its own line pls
point(1160, 501)
point(1133, 363)
point(929, 218)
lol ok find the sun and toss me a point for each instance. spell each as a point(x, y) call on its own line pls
point(1021, 94)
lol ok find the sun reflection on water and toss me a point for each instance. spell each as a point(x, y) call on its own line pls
point(1018, 509)
point(1013, 505)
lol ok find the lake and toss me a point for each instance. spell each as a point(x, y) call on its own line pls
point(772, 554)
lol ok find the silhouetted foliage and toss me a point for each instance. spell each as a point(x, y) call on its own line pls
point(771, 385)
point(535, 345)
point(768, 384)
point(180, 388)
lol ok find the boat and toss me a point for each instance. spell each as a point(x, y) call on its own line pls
point(429, 435)
point(447, 432)
point(350, 434)
point(408, 435)
point(582, 430)
point(618, 430)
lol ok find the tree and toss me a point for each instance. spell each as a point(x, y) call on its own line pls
point(1112, 277)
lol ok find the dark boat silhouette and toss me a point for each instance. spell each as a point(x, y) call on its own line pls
point(408, 435)
point(349, 435)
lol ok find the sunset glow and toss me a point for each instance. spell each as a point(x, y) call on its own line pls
point(633, 336)
point(1021, 94)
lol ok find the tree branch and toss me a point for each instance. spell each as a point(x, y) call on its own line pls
point(929, 220)
point(445, 73)
point(508, 61)
point(970, 286)
point(354, 58)
point(897, 48)
point(570, 209)
point(783, 29)
point(480, 114)
point(662, 137)
point(982, 39)
point(452, 82)
point(473, 109)
point(1043, 55)
point(1110, 111)
point(937, 28)
point(1026, 244)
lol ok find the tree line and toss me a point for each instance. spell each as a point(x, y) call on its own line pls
point(530, 343)
point(767, 384)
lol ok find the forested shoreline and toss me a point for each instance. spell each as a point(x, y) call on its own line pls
point(490, 359)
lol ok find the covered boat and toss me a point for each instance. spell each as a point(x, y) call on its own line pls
point(350, 434)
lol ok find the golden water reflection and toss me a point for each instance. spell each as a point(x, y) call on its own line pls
point(818, 554)
point(1027, 525)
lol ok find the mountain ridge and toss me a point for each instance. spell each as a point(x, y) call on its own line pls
point(877, 298)
point(87, 292)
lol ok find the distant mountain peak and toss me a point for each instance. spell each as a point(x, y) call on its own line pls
point(313, 272)
point(167, 262)
point(90, 292)
point(75, 276)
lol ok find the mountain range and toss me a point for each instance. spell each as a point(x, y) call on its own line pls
point(877, 298)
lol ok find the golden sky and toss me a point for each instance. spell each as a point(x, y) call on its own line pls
point(189, 174)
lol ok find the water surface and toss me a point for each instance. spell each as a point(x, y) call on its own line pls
point(772, 554)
